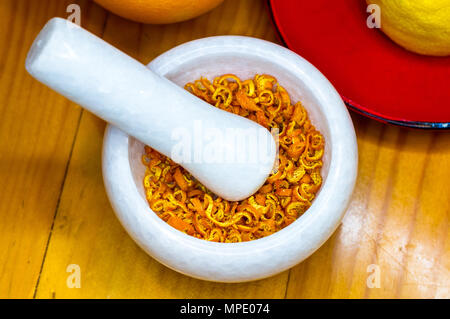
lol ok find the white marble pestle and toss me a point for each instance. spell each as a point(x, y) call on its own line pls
point(124, 92)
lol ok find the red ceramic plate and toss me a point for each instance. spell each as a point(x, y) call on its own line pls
point(375, 76)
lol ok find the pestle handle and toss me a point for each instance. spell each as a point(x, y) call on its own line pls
point(125, 93)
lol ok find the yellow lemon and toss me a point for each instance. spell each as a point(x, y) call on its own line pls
point(421, 26)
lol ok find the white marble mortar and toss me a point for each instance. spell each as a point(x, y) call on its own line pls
point(237, 262)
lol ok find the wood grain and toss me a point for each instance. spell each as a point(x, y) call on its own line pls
point(54, 211)
point(398, 220)
point(37, 131)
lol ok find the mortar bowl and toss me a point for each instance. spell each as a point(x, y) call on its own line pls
point(123, 171)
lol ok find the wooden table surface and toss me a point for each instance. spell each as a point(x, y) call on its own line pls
point(54, 211)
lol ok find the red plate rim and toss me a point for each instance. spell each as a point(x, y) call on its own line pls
point(352, 105)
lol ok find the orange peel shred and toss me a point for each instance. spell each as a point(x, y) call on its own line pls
point(185, 204)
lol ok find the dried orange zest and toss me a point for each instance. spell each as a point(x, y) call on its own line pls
point(179, 178)
point(185, 204)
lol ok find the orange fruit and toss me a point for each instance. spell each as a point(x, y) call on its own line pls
point(158, 11)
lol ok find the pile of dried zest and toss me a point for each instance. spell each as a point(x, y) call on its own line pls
point(188, 206)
